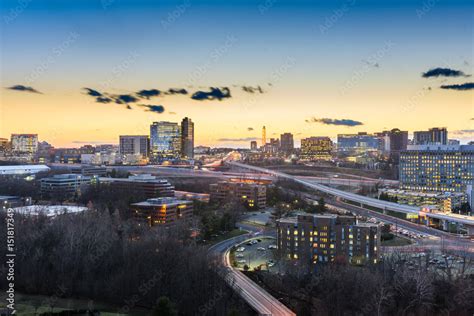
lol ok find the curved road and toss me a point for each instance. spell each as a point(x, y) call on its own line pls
point(259, 299)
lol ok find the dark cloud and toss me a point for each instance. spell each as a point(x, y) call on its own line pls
point(245, 139)
point(460, 87)
point(103, 100)
point(215, 93)
point(443, 72)
point(20, 87)
point(251, 89)
point(250, 129)
point(329, 121)
point(176, 91)
point(93, 92)
point(154, 108)
point(125, 98)
point(147, 94)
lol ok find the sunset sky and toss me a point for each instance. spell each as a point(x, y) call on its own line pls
point(287, 65)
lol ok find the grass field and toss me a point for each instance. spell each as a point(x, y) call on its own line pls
point(396, 242)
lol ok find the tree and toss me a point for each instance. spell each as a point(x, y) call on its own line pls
point(165, 307)
point(321, 205)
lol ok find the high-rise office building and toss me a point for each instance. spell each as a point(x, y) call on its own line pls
point(264, 136)
point(327, 238)
point(357, 143)
point(316, 148)
point(439, 168)
point(393, 142)
point(134, 145)
point(24, 143)
point(187, 138)
point(165, 141)
point(287, 144)
point(435, 135)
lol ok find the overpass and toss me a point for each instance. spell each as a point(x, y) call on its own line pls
point(468, 221)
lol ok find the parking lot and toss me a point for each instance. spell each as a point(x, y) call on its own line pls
point(255, 253)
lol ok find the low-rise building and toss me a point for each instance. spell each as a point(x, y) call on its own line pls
point(192, 196)
point(90, 171)
point(314, 239)
point(152, 187)
point(252, 194)
point(164, 211)
point(64, 185)
point(316, 148)
point(443, 201)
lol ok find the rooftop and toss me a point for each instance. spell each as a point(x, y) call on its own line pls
point(49, 210)
point(168, 201)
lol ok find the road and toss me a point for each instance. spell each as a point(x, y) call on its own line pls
point(385, 205)
point(441, 241)
point(259, 299)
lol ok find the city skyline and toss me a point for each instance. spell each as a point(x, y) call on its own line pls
point(83, 78)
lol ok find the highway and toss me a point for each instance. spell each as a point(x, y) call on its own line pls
point(259, 299)
point(384, 205)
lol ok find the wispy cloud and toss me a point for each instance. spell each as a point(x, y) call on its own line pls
point(249, 129)
point(250, 89)
point(23, 88)
point(244, 139)
point(443, 72)
point(215, 93)
point(460, 87)
point(329, 121)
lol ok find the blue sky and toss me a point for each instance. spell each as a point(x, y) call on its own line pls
point(59, 47)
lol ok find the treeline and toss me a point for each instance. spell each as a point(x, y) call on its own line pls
point(215, 219)
point(97, 256)
point(392, 288)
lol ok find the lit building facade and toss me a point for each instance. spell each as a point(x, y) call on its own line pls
point(165, 141)
point(187, 138)
point(164, 211)
point(252, 194)
point(357, 143)
point(442, 201)
point(437, 168)
point(314, 239)
point(24, 143)
point(316, 148)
